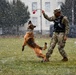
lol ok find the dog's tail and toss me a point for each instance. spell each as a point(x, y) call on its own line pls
point(45, 46)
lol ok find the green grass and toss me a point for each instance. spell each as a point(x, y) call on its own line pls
point(15, 62)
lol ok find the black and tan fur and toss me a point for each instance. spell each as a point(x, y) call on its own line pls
point(29, 40)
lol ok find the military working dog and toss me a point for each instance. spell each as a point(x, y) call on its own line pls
point(29, 40)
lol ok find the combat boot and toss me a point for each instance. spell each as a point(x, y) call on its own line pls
point(45, 60)
point(65, 59)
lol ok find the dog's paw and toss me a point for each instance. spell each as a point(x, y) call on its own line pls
point(23, 48)
point(46, 60)
point(45, 43)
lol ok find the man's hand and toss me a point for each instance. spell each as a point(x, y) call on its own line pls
point(65, 37)
point(42, 11)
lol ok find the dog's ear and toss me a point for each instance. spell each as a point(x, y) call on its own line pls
point(29, 22)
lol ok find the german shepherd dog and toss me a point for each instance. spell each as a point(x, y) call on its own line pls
point(29, 40)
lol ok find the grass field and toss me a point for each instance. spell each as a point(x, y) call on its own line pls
point(15, 62)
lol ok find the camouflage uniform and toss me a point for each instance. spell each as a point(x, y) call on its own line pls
point(58, 37)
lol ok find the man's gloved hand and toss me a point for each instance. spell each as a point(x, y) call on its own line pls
point(42, 11)
point(65, 37)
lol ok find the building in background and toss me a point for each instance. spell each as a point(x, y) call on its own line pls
point(42, 25)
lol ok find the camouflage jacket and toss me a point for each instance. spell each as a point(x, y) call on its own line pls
point(64, 21)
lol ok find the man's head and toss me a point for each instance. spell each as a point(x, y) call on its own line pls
point(31, 26)
point(57, 12)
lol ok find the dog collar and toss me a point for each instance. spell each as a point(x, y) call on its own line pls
point(29, 30)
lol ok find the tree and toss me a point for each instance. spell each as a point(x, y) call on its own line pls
point(69, 9)
point(13, 15)
point(20, 14)
point(4, 8)
point(66, 9)
point(75, 12)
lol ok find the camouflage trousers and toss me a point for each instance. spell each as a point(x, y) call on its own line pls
point(57, 38)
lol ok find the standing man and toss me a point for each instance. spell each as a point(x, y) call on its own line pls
point(61, 29)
